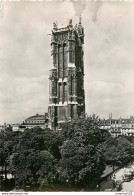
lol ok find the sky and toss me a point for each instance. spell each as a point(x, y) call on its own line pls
point(25, 57)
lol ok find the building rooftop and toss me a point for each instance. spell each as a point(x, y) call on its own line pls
point(37, 117)
point(106, 122)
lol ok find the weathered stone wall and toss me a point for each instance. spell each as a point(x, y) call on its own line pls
point(66, 79)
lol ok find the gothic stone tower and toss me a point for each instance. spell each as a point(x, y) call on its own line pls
point(66, 78)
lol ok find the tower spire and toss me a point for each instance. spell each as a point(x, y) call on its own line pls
point(80, 19)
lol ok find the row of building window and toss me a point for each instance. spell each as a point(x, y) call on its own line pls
point(41, 121)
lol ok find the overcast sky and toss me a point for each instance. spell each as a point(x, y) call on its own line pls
point(25, 57)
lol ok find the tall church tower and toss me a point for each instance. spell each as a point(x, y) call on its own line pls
point(66, 78)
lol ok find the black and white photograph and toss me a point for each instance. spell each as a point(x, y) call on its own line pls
point(66, 96)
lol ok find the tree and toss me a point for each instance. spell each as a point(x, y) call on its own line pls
point(8, 142)
point(40, 139)
point(34, 168)
point(117, 151)
point(81, 161)
point(86, 129)
point(36, 158)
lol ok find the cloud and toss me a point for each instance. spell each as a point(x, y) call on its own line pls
point(79, 7)
point(94, 9)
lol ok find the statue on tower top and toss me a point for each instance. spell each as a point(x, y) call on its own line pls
point(70, 22)
point(54, 25)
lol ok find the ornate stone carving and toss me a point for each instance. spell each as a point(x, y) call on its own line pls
point(54, 25)
point(67, 83)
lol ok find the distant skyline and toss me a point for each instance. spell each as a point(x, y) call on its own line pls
point(25, 58)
